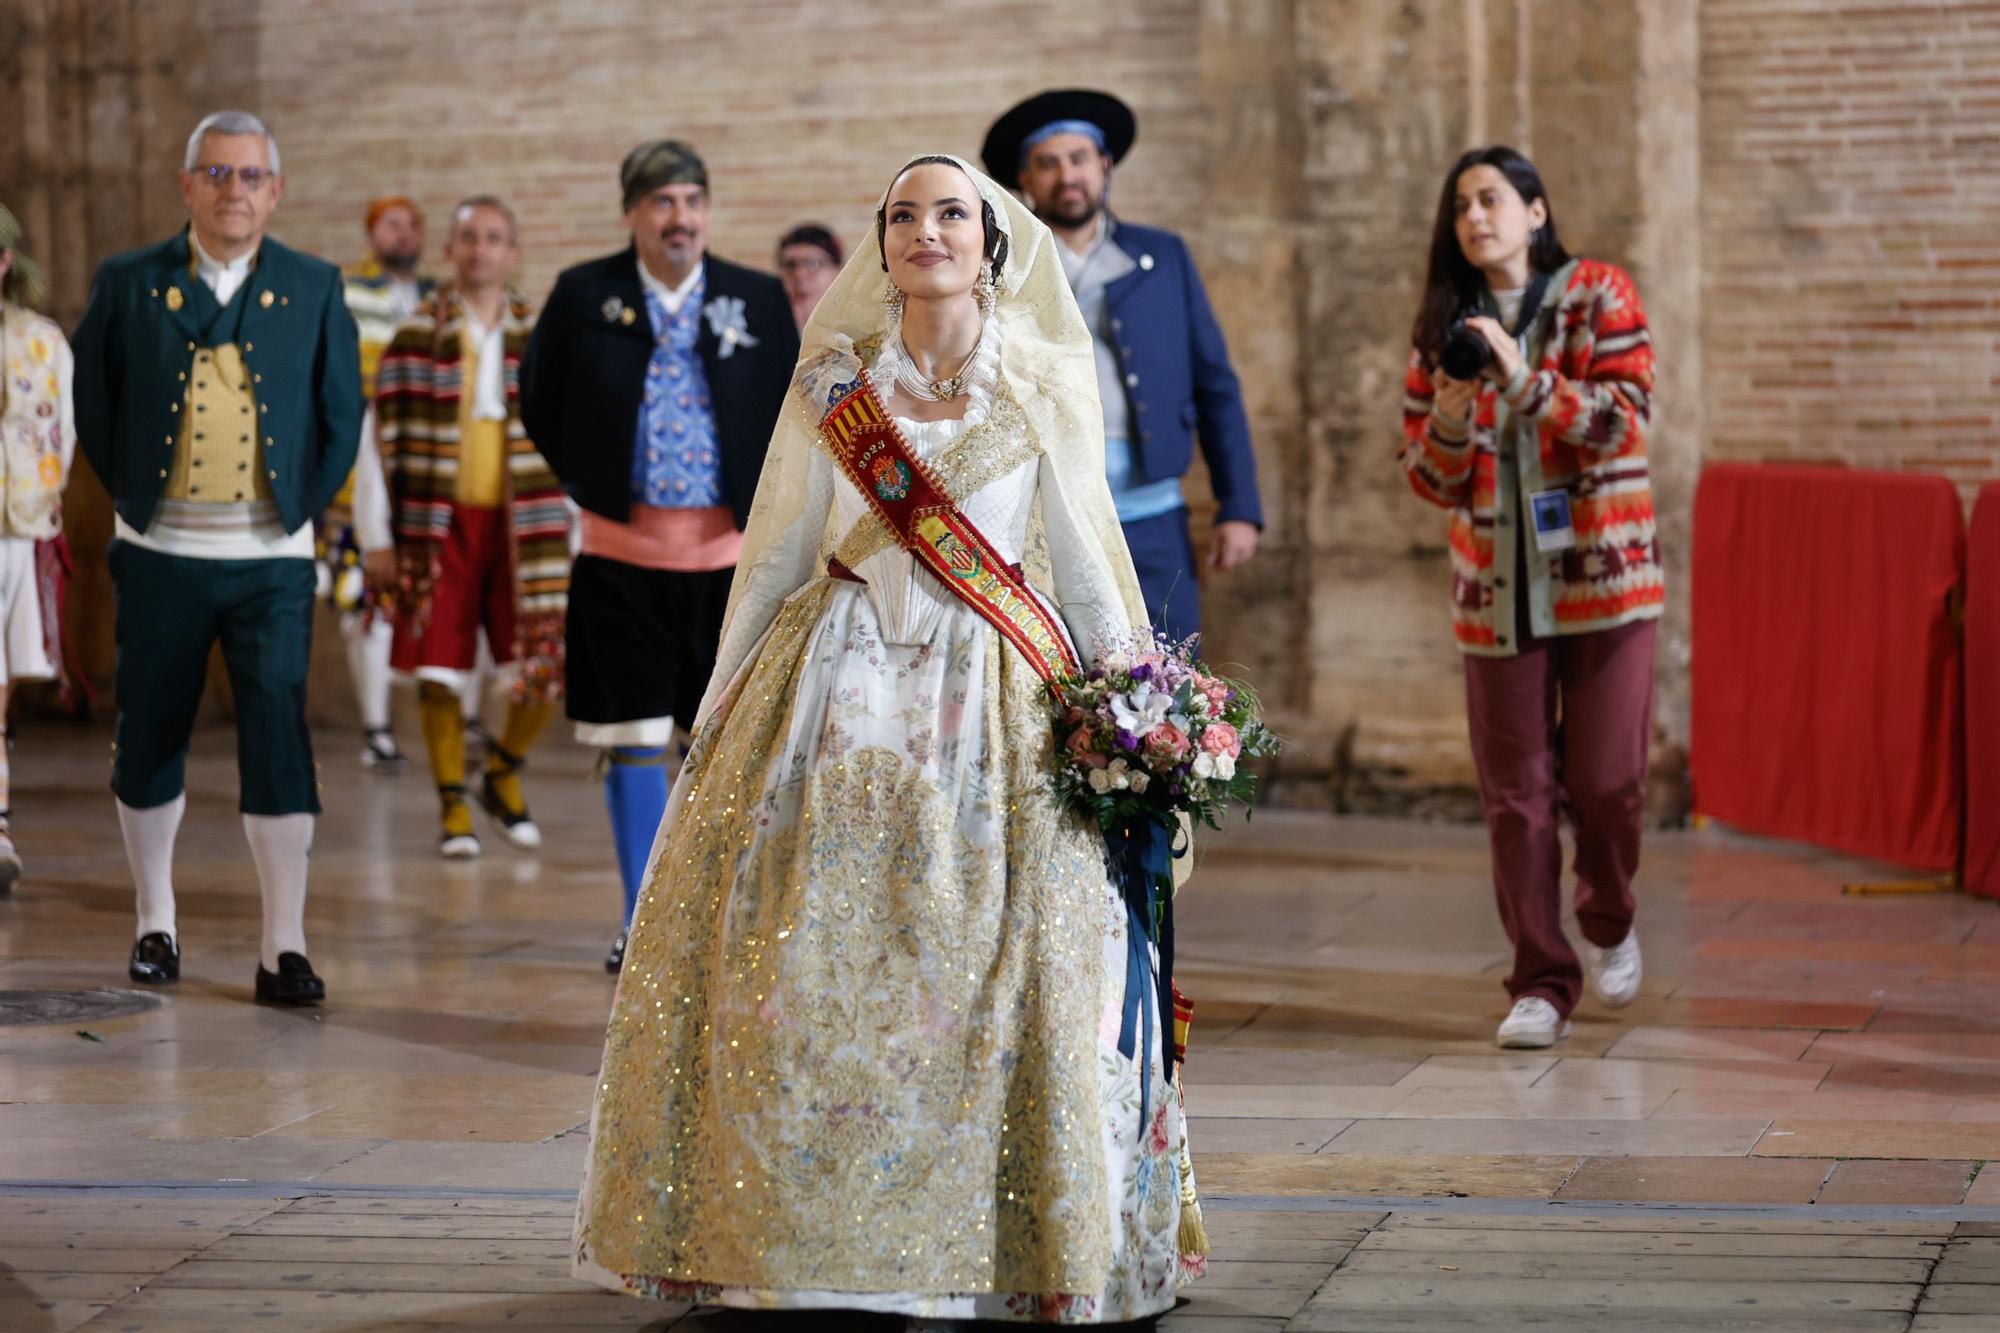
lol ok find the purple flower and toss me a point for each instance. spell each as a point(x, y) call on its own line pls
point(1126, 740)
point(1142, 672)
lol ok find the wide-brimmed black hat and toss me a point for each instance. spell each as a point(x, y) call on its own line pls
point(1002, 150)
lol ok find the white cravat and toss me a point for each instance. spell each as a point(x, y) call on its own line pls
point(222, 279)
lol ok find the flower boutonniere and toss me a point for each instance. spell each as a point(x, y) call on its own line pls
point(729, 324)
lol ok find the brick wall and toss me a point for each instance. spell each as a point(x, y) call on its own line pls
point(1851, 229)
point(802, 108)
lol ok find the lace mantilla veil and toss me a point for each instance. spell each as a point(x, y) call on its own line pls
point(1047, 366)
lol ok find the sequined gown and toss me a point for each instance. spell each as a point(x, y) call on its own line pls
point(863, 1052)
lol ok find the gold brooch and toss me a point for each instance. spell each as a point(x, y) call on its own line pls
point(267, 300)
point(174, 298)
point(628, 315)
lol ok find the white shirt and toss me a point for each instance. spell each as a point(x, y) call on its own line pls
point(407, 294)
point(222, 279)
point(489, 394)
point(674, 297)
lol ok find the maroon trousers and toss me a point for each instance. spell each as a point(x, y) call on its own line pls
point(1600, 687)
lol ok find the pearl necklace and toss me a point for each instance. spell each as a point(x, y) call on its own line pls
point(933, 391)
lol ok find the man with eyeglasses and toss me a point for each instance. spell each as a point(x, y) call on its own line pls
point(808, 261)
point(219, 399)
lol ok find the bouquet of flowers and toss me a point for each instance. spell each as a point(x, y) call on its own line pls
point(1150, 733)
point(1147, 737)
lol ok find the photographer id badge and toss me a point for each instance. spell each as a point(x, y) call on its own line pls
point(1550, 512)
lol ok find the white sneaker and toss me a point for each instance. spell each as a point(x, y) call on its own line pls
point(1532, 1025)
point(1614, 972)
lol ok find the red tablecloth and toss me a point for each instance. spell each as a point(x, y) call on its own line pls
point(1826, 665)
point(1982, 696)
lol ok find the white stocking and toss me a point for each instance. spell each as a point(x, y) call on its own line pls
point(149, 848)
point(280, 844)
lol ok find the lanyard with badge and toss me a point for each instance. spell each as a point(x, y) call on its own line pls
point(1548, 511)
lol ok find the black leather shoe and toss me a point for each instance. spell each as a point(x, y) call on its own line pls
point(156, 959)
point(294, 982)
point(614, 962)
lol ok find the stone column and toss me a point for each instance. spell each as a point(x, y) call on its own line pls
point(1604, 99)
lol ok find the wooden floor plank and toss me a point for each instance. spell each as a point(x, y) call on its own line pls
point(385, 1224)
point(86, 1259)
point(1343, 1293)
point(387, 1250)
point(1654, 1220)
point(551, 1279)
point(1440, 1240)
point(1573, 1267)
point(227, 1309)
point(405, 1206)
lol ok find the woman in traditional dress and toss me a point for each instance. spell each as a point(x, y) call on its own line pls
point(866, 1049)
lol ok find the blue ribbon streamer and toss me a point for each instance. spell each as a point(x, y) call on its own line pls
point(1142, 860)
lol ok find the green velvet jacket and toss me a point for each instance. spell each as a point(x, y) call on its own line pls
point(136, 344)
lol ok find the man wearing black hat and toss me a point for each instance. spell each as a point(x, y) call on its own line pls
point(1162, 369)
point(651, 386)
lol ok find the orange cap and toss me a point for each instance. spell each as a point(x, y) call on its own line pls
point(380, 206)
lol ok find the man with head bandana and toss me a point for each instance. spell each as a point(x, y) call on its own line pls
point(1163, 371)
point(651, 386)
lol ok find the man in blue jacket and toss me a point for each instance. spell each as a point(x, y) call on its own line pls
point(218, 398)
point(1162, 369)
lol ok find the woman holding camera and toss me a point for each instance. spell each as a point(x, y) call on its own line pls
point(1525, 413)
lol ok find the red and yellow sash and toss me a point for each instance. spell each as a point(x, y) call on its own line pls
point(908, 498)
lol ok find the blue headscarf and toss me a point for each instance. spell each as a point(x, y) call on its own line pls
point(1055, 127)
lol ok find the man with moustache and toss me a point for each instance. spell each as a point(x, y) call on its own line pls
point(218, 397)
point(651, 386)
point(1163, 371)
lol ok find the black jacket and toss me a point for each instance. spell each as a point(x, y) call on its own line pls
point(586, 369)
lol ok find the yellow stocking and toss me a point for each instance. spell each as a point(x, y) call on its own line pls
point(525, 720)
point(444, 736)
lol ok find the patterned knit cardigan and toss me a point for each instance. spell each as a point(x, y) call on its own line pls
point(417, 396)
point(1590, 399)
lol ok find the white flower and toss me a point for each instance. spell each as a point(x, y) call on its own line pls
point(1100, 780)
point(1204, 765)
point(1144, 708)
point(1121, 775)
point(1140, 782)
point(729, 324)
point(1225, 767)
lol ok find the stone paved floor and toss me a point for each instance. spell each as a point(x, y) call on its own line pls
point(1786, 1131)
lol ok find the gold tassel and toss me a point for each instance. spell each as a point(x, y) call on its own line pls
point(1193, 1243)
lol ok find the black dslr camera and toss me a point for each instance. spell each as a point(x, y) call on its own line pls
point(1465, 353)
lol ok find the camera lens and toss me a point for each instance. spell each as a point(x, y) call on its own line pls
point(1465, 353)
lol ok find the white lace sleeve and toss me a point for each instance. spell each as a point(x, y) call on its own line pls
point(781, 555)
point(1086, 590)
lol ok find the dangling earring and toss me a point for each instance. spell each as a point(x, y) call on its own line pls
point(987, 292)
point(893, 299)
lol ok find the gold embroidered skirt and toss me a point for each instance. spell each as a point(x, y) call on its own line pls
point(864, 1048)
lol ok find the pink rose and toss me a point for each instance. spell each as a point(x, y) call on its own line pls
point(1221, 738)
point(1166, 744)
